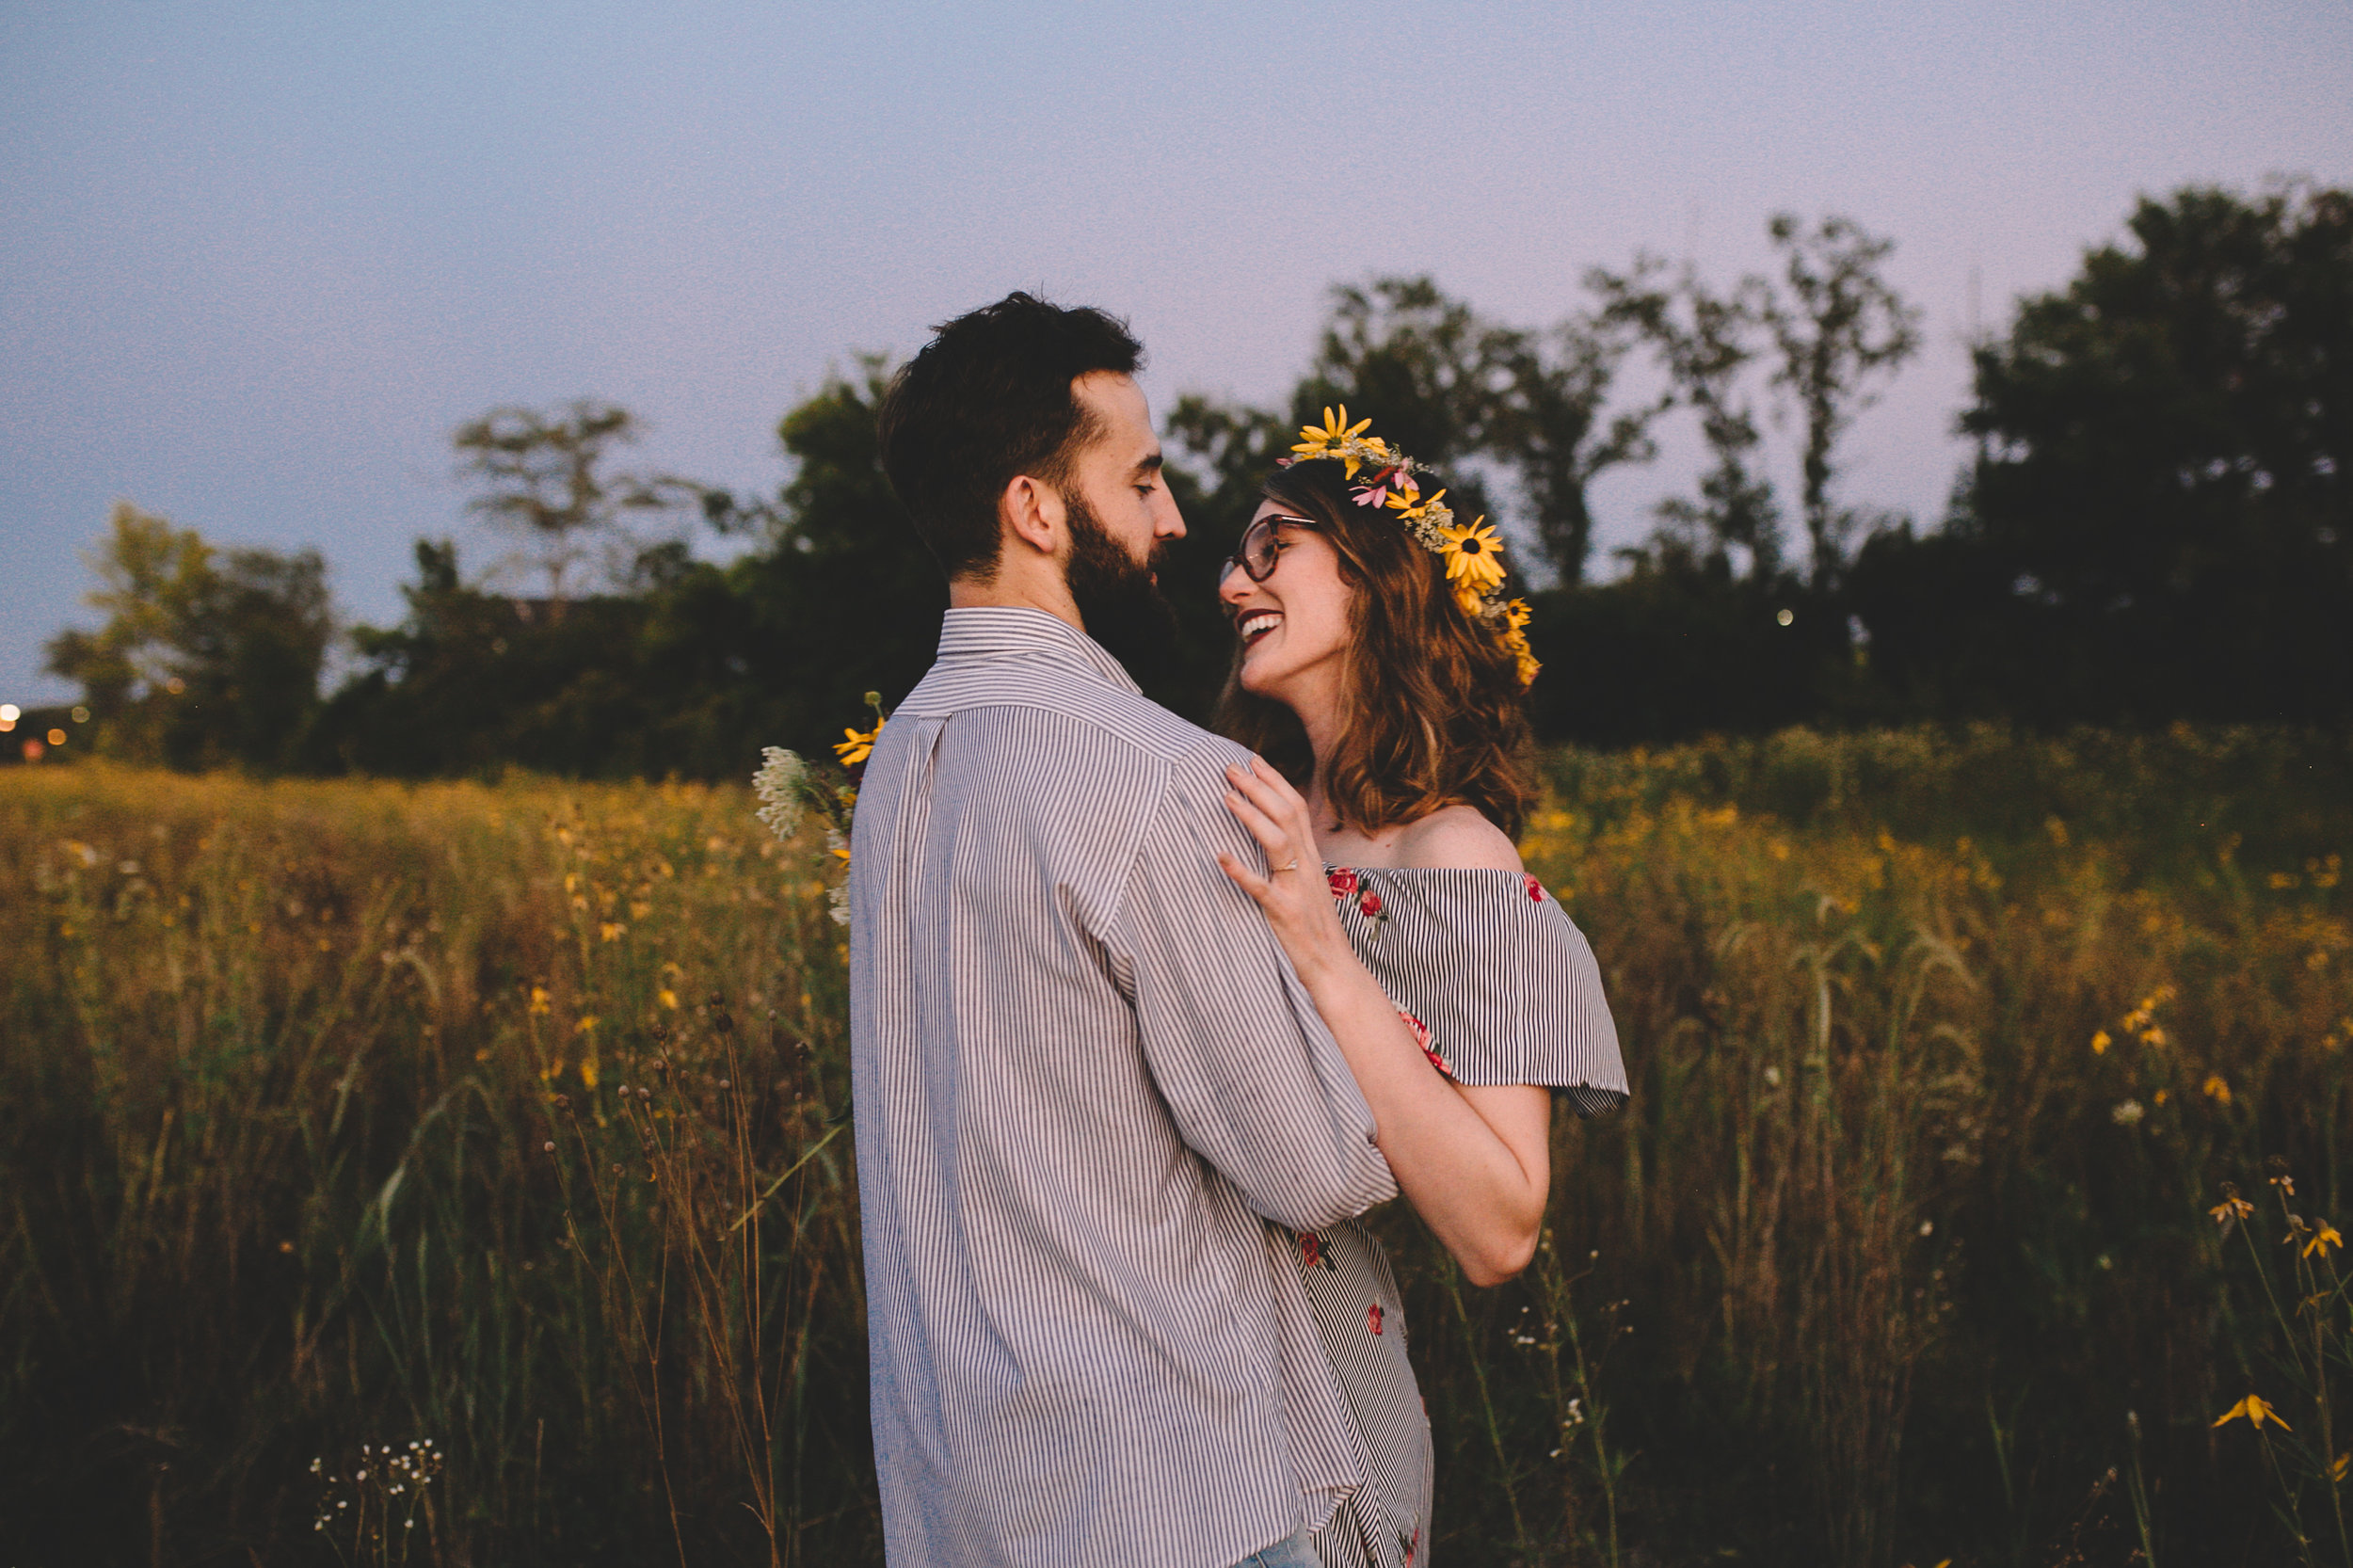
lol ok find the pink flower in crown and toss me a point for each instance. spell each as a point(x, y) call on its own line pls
point(1535, 889)
point(1342, 882)
point(1375, 492)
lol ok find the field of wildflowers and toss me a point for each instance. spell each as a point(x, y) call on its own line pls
point(1979, 1199)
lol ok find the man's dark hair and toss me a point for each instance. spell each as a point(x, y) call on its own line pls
point(987, 400)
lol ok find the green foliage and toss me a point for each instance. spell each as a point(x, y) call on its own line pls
point(206, 657)
point(1839, 326)
point(2160, 523)
point(542, 477)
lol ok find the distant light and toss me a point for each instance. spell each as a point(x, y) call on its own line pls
point(56, 737)
point(1787, 617)
point(81, 714)
point(175, 685)
point(7, 725)
point(33, 749)
point(10, 713)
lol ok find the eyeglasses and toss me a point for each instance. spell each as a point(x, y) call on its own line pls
point(1259, 548)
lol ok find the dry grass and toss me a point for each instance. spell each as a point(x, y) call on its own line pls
point(1872, 1270)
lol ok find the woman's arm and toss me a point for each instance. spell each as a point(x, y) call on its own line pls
point(1474, 1163)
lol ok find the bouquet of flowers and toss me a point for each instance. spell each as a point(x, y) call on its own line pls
point(790, 790)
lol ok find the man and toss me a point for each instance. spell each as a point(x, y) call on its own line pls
point(1083, 1069)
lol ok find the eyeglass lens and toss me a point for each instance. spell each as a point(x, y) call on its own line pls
point(1259, 550)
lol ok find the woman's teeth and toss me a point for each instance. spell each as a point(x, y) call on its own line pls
point(1254, 626)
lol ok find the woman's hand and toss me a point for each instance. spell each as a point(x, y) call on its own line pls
point(1294, 894)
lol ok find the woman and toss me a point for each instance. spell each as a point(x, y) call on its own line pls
point(1379, 667)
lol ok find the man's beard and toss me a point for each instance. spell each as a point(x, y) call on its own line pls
point(1117, 596)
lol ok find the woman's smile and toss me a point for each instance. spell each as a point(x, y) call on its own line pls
point(1257, 624)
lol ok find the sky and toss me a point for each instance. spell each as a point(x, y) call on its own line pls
point(258, 262)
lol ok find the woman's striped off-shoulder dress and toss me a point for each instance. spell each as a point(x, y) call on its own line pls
point(1500, 987)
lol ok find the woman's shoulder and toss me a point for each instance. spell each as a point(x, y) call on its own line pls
point(1456, 838)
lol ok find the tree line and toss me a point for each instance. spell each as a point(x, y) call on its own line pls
point(2154, 524)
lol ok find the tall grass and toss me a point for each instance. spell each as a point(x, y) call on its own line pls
point(337, 1120)
point(512, 1119)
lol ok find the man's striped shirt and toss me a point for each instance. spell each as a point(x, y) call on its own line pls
point(1083, 1071)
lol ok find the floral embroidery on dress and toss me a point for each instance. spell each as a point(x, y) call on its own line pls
point(1373, 1317)
point(1346, 885)
point(1535, 889)
point(1311, 1254)
point(1429, 1045)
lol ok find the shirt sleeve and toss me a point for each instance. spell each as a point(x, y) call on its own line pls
point(1503, 979)
point(1255, 1081)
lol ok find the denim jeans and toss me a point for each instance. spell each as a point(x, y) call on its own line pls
point(1294, 1553)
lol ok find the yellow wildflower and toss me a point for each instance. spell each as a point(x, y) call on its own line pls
point(2215, 1089)
point(1335, 432)
point(2324, 1237)
point(2233, 1207)
point(2099, 1042)
point(2337, 1470)
point(2257, 1413)
point(1515, 644)
point(538, 1000)
point(858, 745)
point(1474, 558)
point(1412, 505)
point(588, 1072)
point(1516, 615)
point(610, 931)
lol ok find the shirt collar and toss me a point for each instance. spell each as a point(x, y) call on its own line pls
point(999, 632)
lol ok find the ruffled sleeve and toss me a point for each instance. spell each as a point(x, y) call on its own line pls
point(1502, 977)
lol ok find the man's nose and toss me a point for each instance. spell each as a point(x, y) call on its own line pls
point(1171, 524)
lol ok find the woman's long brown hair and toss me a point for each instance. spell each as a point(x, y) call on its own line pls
point(1436, 712)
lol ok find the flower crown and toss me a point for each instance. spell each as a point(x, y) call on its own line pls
point(1472, 552)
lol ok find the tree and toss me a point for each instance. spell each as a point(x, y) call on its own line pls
point(1840, 327)
point(540, 475)
point(1474, 398)
point(205, 656)
point(2167, 442)
point(1548, 427)
point(1705, 342)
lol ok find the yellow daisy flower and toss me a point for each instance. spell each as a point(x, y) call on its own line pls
point(858, 747)
point(1474, 558)
point(1515, 644)
point(2324, 1237)
point(1517, 616)
point(1335, 432)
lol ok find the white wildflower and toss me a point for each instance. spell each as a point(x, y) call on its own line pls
point(781, 783)
point(2126, 1113)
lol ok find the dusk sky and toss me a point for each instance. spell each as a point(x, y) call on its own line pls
point(256, 262)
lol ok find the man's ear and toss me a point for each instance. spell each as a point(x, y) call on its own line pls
point(1031, 514)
